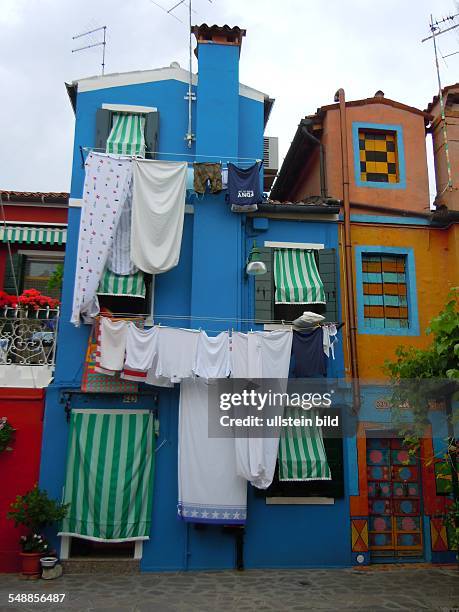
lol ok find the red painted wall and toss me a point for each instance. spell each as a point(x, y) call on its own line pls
point(36, 214)
point(19, 469)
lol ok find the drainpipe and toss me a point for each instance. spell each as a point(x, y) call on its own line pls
point(323, 181)
point(348, 267)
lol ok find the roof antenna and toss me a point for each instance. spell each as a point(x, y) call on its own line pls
point(435, 32)
point(97, 44)
point(190, 96)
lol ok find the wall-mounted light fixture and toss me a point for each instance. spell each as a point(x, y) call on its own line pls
point(255, 266)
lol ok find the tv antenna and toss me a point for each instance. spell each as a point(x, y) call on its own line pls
point(101, 43)
point(190, 96)
point(437, 31)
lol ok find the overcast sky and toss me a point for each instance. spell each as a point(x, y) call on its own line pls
point(298, 51)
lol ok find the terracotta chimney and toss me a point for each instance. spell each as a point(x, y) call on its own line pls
point(221, 35)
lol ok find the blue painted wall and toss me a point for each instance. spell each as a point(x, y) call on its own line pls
point(208, 282)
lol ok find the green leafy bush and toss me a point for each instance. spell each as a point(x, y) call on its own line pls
point(35, 510)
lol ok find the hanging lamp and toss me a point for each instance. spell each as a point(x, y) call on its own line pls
point(255, 266)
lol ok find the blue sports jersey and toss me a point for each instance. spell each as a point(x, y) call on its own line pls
point(244, 187)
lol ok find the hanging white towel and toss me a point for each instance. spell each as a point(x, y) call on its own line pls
point(158, 209)
point(157, 381)
point(209, 489)
point(212, 359)
point(239, 358)
point(268, 356)
point(113, 336)
point(141, 348)
point(176, 353)
point(104, 193)
point(119, 259)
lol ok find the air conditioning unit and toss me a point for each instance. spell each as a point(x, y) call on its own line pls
point(270, 160)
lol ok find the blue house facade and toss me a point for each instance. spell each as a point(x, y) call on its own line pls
point(208, 289)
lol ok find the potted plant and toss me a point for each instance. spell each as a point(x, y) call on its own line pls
point(34, 303)
point(6, 434)
point(35, 510)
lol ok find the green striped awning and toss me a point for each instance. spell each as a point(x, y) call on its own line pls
point(33, 235)
point(132, 285)
point(301, 450)
point(110, 470)
point(127, 136)
point(297, 278)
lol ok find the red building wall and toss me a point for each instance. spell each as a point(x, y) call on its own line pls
point(19, 469)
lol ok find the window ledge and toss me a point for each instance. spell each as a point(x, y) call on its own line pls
point(300, 501)
point(129, 108)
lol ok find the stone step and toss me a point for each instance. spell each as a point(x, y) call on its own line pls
point(103, 565)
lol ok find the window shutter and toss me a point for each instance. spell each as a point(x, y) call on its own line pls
point(16, 265)
point(151, 134)
point(328, 274)
point(103, 125)
point(334, 450)
point(264, 288)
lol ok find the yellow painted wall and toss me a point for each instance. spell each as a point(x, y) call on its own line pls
point(436, 253)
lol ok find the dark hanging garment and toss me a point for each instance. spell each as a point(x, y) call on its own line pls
point(308, 357)
point(204, 172)
point(244, 190)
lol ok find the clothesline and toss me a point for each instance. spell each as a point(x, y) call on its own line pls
point(219, 157)
point(218, 319)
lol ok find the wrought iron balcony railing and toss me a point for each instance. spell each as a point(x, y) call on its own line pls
point(28, 337)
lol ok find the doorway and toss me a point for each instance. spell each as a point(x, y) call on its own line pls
point(394, 501)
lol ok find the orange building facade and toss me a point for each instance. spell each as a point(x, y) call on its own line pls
point(399, 258)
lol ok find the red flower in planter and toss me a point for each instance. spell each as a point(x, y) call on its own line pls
point(32, 298)
point(7, 300)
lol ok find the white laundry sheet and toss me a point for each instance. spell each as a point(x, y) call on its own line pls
point(210, 490)
point(105, 189)
point(212, 359)
point(113, 336)
point(239, 357)
point(119, 258)
point(141, 348)
point(142, 357)
point(176, 353)
point(261, 355)
point(158, 209)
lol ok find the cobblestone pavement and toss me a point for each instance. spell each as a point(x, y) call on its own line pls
point(368, 589)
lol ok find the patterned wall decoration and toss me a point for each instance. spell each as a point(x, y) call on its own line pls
point(438, 535)
point(359, 530)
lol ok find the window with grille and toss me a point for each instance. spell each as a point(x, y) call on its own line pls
point(38, 272)
point(378, 156)
point(385, 291)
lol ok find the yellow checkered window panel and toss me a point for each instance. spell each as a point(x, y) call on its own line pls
point(378, 156)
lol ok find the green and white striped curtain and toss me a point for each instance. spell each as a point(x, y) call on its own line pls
point(297, 278)
point(110, 470)
point(132, 285)
point(127, 136)
point(302, 453)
